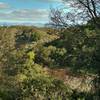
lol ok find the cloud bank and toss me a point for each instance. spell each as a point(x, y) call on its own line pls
point(4, 5)
point(36, 15)
point(25, 13)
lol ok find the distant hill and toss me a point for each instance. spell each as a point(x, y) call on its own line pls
point(21, 23)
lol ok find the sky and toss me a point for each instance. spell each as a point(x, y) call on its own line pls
point(33, 11)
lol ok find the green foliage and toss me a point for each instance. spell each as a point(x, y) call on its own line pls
point(45, 88)
point(7, 45)
point(59, 56)
point(51, 56)
point(22, 76)
point(81, 46)
point(38, 35)
point(29, 79)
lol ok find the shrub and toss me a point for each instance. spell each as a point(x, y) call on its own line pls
point(45, 88)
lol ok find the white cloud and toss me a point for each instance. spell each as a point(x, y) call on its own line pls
point(3, 5)
point(34, 15)
point(26, 15)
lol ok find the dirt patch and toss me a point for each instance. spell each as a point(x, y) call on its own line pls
point(81, 83)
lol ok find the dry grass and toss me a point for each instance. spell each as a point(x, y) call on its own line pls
point(81, 82)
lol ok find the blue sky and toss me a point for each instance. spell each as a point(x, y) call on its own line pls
point(33, 11)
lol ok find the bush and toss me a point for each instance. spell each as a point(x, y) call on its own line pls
point(51, 56)
point(31, 82)
point(45, 88)
point(38, 35)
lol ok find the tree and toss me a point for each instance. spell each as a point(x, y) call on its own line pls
point(90, 7)
point(88, 52)
point(81, 11)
